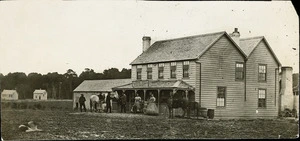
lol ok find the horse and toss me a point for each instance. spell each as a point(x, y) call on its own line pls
point(94, 101)
point(184, 104)
point(114, 97)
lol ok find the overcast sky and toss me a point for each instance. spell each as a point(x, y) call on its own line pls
point(53, 36)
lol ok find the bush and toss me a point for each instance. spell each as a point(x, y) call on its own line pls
point(5, 105)
point(14, 105)
point(38, 106)
point(23, 106)
point(30, 107)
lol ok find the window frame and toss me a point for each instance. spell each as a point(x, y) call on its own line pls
point(265, 99)
point(266, 71)
point(186, 68)
point(139, 73)
point(161, 70)
point(243, 71)
point(225, 96)
point(149, 71)
point(173, 67)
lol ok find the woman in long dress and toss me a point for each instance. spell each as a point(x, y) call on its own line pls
point(137, 102)
point(151, 107)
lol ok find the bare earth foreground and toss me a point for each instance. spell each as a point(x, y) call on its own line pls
point(71, 125)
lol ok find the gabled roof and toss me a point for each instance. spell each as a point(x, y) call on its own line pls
point(39, 91)
point(159, 84)
point(186, 48)
point(179, 49)
point(248, 45)
point(100, 85)
point(9, 92)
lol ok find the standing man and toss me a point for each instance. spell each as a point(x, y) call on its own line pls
point(82, 103)
point(101, 100)
point(77, 103)
point(123, 103)
point(108, 103)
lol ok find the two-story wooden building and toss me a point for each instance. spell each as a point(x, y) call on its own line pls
point(235, 77)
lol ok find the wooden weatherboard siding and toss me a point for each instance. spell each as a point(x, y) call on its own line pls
point(261, 55)
point(133, 72)
point(197, 82)
point(179, 72)
point(218, 69)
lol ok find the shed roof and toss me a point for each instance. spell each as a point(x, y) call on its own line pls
point(9, 92)
point(165, 84)
point(186, 48)
point(101, 85)
point(39, 91)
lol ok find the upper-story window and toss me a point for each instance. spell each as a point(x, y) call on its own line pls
point(149, 71)
point(186, 65)
point(239, 71)
point(262, 72)
point(139, 72)
point(161, 70)
point(173, 69)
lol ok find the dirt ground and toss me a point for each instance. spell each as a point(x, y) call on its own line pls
point(69, 125)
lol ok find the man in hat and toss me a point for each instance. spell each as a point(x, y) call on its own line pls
point(108, 103)
point(123, 103)
point(82, 103)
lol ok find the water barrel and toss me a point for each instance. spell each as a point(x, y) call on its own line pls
point(203, 112)
point(210, 113)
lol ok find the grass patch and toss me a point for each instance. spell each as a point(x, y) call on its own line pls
point(37, 105)
point(61, 124)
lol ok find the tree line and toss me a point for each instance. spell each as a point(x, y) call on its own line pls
point(58, 86)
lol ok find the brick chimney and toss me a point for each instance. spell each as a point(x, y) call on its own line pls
point(146, 42)
point(235, 35)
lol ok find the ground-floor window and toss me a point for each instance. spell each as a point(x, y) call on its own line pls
point(262, 98)
point(221, 96)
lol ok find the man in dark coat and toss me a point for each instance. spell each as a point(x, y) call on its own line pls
point(108, 103)
point(123, 103)
point(101, 100)
point(82, 103)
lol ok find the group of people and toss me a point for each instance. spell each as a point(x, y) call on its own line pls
point(107, 101)
point(149, 108)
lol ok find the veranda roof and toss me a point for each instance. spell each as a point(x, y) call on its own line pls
point(158, 84)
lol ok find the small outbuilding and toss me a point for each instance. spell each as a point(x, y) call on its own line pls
point(40, 94)
point(95, 87)
point(9, 95)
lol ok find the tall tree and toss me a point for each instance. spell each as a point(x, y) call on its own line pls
point(125, 73)
point(1, 78)
point(70, 76)
point(111, 73)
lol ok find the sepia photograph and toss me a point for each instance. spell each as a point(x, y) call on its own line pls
point(133, 69)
